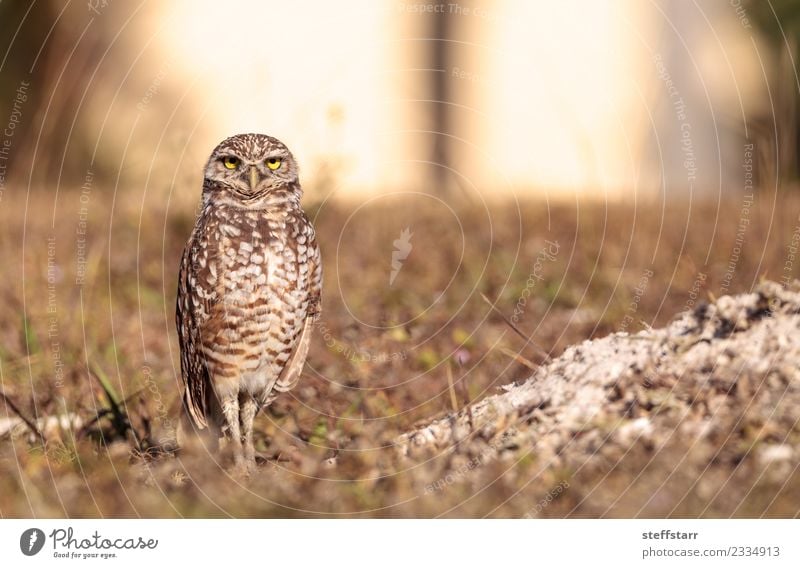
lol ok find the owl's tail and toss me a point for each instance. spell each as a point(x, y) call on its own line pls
point(191, 436)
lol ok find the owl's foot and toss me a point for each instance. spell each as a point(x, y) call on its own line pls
point(250, 461)
point(244, 462)
point(243, 470)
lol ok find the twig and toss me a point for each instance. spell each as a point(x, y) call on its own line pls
point(103, 412)
point(33, 428)
point(452, 389)
point(334, 439)
point(519, 358)
point(514, 327)
point(467, 402)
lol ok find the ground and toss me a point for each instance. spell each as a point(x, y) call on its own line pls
point(715, 392)
point(490, 294)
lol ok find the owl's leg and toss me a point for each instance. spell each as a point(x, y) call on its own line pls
point(248, 408)
point(230, 410)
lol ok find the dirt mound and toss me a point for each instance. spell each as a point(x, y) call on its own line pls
point(722, 379)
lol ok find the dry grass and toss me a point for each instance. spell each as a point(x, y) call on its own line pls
point(379, 363)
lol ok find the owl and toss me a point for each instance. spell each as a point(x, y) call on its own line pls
point(248, 292)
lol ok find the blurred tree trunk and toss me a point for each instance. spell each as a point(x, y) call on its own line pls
point(776, 133)
point(58, 50)
point(23, 36)
point(439, 53)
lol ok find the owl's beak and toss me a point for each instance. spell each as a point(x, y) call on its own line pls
point(255, 177)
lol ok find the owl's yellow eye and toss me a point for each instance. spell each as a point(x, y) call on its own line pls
point(230, 162)
point(274, 163)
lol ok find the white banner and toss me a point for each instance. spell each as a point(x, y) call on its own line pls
point(407, 543)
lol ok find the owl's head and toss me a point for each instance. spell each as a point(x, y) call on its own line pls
point(251, 166)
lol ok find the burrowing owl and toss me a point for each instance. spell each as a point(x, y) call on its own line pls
point(248, 290)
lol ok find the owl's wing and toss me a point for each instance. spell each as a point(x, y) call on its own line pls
point(294, 366)
point(189, 316)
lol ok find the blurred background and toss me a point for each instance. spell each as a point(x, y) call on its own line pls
point(605, 98)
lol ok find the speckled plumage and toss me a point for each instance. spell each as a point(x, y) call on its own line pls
point(248, 290)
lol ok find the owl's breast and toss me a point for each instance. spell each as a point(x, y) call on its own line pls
point(262, 298)
point(262, 266)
